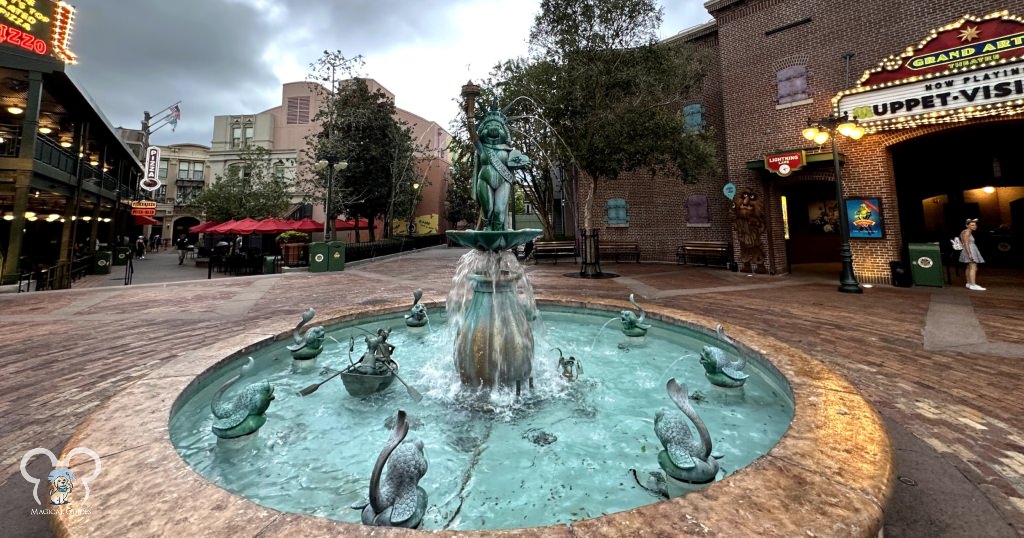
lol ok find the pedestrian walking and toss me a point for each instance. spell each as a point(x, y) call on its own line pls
point(182, 244)
point(970, 254)
point(140, 248)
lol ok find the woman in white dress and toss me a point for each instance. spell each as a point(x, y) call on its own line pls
point(970, 254)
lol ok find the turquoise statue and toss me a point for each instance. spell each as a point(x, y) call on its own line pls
point(245, 413)
point(631, 324)
point(399, 501)
point(684, 458)
point(309, 345)
point(494, 161)
point(721, 371)
point(417, 316)
point(571, 367)
point(375, 370)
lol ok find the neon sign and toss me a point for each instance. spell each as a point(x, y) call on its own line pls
point(38, 26)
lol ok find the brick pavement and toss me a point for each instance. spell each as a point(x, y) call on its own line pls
point(953, 411)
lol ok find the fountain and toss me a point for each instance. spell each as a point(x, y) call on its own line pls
point(494, 340)
point(564, 456)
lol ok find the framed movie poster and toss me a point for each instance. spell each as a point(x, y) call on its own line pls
point(865, 218)
point(823, 216)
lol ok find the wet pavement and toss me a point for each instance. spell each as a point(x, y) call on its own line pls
point(943, 366)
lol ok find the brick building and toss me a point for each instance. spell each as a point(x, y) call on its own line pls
point(783, 62)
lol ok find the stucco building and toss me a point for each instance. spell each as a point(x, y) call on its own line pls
point(283, 131)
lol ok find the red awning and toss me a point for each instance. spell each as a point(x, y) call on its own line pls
point(142, 220)
point(220, 228)
point(270, 225)
point(244, 226)
point(306, 225)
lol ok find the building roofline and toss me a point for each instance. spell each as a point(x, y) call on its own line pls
point(715, 5)
point(693, 32)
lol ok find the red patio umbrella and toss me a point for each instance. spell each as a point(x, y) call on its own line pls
point(245, 226)
point(306, 225)
point(221, 228)
point(202, 227)
point(270, 225)
point(350, 224)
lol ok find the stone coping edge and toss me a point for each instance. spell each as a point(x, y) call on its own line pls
point(831, 474)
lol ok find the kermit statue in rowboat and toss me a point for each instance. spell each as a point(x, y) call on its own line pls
point(375, 370)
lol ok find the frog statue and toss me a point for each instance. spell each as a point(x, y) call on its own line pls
point(399, 501)
point(721, 371)
point(309, 345)
point(631, 324)
point(245, 412)
point(417, 316)
point(684, 458)
point(571, 367)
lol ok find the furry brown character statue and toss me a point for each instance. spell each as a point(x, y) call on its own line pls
point(750, 224)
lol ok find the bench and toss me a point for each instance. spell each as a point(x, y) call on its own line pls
point(553, 249)
point(719, 252)
point(619, 249)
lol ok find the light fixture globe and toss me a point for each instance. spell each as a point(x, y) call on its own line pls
point(821, 137)
point(810, 132)
point(846, 128)
point(857, 133)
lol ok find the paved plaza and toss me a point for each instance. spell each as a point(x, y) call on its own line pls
point(943, 366)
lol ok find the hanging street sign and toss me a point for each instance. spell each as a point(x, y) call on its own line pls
point(151, 181)
point(786, 163)
point(143, 212)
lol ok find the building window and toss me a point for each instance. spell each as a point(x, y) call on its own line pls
point(233, 170)
point(279, 170)
point(236, 136)
point(161, 194)
point(617, 210)
point(697, 213)
point(693, 118)
point(792, 86)
point(163, 168)
point(184, 169)
point(197, 171)
point(298, 110)
point(248, 135)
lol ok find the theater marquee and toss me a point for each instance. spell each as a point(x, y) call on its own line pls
point(968, 69)
point(42, 27)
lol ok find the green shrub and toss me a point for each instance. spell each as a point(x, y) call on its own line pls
point(291, 236)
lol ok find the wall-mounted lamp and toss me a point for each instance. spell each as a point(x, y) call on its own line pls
point(65, 144)
point(94, 162)
point(45, 130)
point(15, 109)
point(8, 216)
point(988, 190)
point(52, 217)
point(87, 218)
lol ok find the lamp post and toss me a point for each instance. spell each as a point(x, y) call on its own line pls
point(821, 131)
point(330, 165)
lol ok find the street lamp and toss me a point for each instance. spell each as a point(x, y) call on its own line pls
point(329, 164)
point(822, 131)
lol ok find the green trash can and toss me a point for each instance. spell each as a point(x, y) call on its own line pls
point(318, 259)
point(336, 256)
point(101, 266)
point(269, 265)
point(121, 255)
point(926, 264)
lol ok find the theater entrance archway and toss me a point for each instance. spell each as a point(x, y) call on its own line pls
point(973, 171)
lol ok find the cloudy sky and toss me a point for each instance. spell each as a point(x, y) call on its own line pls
point(231, 56)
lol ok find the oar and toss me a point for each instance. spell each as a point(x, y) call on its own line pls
point(413, 393)
point(313, 388)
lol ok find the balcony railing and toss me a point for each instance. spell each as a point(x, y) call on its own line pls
point(11, 135)
point(49, 152)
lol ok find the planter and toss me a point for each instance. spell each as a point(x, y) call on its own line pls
point(292, 253)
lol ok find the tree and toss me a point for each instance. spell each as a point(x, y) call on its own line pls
point(359, 127)
point(614, 93)
point(459, 201)
point(249, 190)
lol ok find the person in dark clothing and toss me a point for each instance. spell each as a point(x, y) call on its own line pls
point(140, 248)
point(182, 244)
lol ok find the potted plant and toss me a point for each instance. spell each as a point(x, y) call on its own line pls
point(291, 243)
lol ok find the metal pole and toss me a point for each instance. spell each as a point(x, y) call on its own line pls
point(847, 281)
point(327, 201)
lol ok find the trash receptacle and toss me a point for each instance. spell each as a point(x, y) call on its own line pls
point(336, 256)
point(318, 261)
point(926, 264)
point(121, 255)
point(269, 265)
point(102, 264)
point(900, 274)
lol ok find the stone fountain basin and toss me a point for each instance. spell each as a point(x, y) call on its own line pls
point(831, 474)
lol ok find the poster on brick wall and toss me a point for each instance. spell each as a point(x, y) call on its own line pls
point(864, 216)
